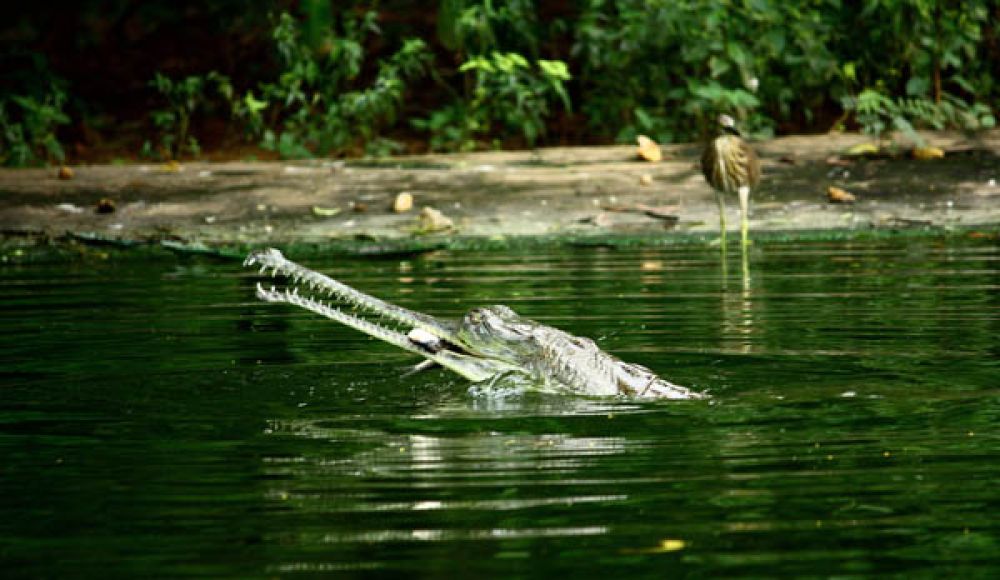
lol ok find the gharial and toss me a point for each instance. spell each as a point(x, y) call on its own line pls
point(487, 344)
point(731, 167)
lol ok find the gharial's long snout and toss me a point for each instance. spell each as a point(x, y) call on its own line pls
point(403, 328)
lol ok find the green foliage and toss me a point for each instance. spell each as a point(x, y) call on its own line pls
point(928, 82)
point(484, 26)
point(510, 96)
point(451, 128)
point(27, 128)
point(183, 98)
point(878, 114)
point(668, 67)
point(31, 112)
point(315, 107)
point(506, 72)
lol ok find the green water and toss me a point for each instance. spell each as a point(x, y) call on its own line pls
point(157, 421)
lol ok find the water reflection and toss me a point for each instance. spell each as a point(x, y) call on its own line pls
point(737, 316)
point(158, 420)
point(396, 486)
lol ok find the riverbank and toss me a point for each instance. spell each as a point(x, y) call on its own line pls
point(591, 196)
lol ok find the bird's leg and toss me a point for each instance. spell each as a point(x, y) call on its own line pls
point(722, 218)
point(745, 270)
point(744, 193)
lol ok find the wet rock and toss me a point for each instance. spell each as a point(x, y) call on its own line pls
point(432, 220)
point(69, 208)
point(105, 205)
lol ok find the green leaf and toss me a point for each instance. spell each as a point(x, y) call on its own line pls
point(918, 86)
point(253, 105)
point(555, 69)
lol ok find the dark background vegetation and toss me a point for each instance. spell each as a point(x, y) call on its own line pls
point(99, 80)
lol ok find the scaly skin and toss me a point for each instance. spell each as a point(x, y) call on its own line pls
point(488, 342)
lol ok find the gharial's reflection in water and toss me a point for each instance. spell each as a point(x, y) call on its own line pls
point(403, 486)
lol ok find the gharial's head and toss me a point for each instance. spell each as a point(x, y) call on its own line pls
point(496, 332)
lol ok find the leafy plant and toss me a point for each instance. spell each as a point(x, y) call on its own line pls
point(184, 97)
point(927, 82)
point(315, 107)
point(483, 26)
point(668, 67)
point(878, 114)
point(451, 128)
point(510, 96)
point(28, 125)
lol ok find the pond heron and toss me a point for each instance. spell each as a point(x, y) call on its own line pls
point(730, 166)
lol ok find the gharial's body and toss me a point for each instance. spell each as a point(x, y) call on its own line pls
point(488, 342)
point(731, 167)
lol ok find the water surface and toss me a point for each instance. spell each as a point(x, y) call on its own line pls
point(158, 421)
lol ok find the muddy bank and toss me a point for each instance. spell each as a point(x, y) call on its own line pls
point(602, 193)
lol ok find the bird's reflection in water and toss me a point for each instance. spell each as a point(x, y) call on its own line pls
point(738, 316)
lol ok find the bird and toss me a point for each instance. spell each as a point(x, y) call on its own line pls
point(731, 166)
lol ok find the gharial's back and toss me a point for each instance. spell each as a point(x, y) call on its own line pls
point(579, 365)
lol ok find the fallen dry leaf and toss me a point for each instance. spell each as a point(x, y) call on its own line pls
point(648, 149)
point(838, 195)
point(403, 202)
point(325, 211)
point(864, 149)
point(926, 153)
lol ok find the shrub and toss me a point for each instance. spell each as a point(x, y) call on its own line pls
point(27, 128)
point(316, 106)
